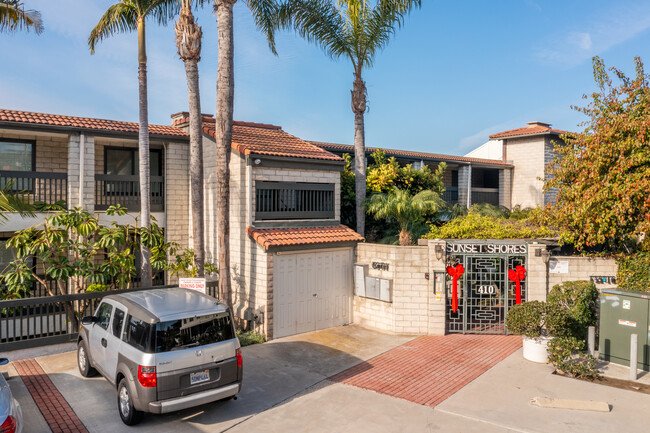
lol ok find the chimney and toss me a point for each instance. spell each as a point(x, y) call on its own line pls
point(545, 125)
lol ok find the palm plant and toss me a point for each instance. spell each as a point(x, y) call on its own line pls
point(404, 208)
point(11, 201)
point(127, 16)
point(13, 16)
point(357, 30)
point(265, 14)
point(188, 43)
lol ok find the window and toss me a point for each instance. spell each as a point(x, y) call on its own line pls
point(16, 155)
point(104, 315)
point(193, 331)
point(118, 320)
point(138, 334)
point(125, 161)
point(294, 200)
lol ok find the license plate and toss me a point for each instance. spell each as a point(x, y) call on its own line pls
point(199, 377)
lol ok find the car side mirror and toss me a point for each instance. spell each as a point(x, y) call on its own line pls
point(88, 320)
point(4, 361)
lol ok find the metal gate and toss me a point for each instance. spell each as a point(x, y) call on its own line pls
point(484, 290)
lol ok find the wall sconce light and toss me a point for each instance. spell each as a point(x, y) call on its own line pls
point(546, 256)
point(257, 161)
point(439, 251)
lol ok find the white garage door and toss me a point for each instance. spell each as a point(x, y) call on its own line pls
point(311, 291)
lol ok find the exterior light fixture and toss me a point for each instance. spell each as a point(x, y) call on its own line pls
point(439, 251)
point(546, 256)
point(257, 161)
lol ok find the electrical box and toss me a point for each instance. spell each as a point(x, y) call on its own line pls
point(621, 315)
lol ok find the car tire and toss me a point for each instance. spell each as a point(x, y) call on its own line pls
point(83, 361)
point(128, 412)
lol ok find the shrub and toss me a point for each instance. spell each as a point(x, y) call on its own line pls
point(565, 354)
point(246, 338)
point(536, 319)
point(634, 272)
point(580, 300)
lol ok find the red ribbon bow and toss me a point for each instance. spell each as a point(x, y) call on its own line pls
point(517, 275)
point(455, 273)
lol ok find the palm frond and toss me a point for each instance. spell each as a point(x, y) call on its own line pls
point(265, 13)
point(13, 16)
point(12, 201)
point(162, 11)
point(319, 22)
point(118, 18)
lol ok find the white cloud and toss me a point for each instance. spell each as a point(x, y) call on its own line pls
point(472, 141)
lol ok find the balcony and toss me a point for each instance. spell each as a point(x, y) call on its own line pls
point(47, 188)
point(111, 190)
point(450, 196)
point(485, 195)
point(294, 201)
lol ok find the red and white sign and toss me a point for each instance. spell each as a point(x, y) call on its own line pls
point(197, 284)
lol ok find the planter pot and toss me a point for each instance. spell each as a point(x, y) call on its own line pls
point(536, 349)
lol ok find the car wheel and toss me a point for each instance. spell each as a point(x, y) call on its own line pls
point(128, 413)
point(83, 362)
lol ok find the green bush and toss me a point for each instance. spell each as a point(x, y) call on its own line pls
point(634, 272)
point(580, 300)
point(566, 354)
point(246, 338)
point(537, 319)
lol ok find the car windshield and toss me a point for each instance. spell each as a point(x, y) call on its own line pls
point(193, 331)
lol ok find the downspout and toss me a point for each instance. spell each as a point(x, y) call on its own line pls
point(82, 168)
point(249, 191)
point(469, 185)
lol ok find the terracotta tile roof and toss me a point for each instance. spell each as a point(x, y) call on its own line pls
point(264, 139)
point(533, 128)
point(26, 117)
point(408, 154)
point(303, 236)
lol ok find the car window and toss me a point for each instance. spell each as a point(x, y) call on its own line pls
point(138, 334)
point(118, 320)
point(193, 331)
point(104, 315)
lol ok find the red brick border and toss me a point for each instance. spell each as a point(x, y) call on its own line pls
point(428, 370)
point(55, 409)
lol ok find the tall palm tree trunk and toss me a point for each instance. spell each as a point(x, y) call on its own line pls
point(224, 113)
point(188, 41)
point(143, 141)
point(359, 108)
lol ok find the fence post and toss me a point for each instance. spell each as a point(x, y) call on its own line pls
point(591, 341)
point(634, 339)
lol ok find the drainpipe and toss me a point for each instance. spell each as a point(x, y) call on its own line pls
point(249, 190)
point(82, 168)
point(469, 185)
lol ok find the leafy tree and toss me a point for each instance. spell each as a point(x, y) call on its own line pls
point(386, 173)
point(403, 207)
point(188, 44)
point(128, 16)
point(265, 14)
point(14, 16)
point(357, 30)
point(602, 175)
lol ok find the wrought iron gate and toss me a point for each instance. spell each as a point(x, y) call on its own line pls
point(484, 291)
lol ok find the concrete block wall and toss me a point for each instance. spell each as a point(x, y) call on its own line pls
point(527, 154)
point(438, 300)
point(505, 188)
point(583, 268)
point(177, 200)
point(372, 313)
point(537, 284)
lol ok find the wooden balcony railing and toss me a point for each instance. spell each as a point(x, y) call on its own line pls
point(294, 200)
point(111, 190)
point(48, 188)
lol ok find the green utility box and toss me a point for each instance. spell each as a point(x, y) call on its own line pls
point(621, 315)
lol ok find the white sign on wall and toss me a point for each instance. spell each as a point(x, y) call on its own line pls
point(558, 267)
point(197, 284)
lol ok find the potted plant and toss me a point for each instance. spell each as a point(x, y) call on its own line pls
point(538, 322)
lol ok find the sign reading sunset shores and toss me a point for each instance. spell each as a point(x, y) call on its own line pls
point(197, 284)
point(486, 248)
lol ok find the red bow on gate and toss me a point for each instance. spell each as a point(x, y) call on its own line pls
point(455, 273)
point(518, 274)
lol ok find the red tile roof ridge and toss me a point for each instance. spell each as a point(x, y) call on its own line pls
point(209, 118)
point(532, 129)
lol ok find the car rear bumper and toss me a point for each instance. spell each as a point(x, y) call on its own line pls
point(180, 403)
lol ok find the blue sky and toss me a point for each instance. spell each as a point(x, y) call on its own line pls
point(455, 73)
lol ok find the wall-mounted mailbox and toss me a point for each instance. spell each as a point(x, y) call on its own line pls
point(360, 273)
point(378, 288)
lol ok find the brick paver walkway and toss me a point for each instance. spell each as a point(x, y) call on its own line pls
point(428, 370)
point(55, 409)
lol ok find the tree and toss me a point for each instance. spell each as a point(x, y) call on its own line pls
point(602, 175)
point(11, 201)
point(188, 43)
point(405, 208)
point(265, 14)
point(128, 16)
point(13, 16)
point(357, 30)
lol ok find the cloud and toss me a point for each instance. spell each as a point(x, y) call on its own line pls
point(472, 141)
point(597, 35)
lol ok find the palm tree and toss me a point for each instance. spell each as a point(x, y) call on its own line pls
point(356, 30)
point(404, 208)
point(188, 43)
point(11, 201)
point(13, 16)
point(128, 16)
point(265, 13)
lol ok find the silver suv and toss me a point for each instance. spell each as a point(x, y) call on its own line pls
point(164, 350)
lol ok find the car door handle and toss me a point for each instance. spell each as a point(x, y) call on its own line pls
point(104, 342)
